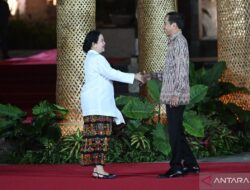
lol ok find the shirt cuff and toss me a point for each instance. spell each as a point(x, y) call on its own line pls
point(153, 75)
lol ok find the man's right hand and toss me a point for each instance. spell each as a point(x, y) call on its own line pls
point(146, 76)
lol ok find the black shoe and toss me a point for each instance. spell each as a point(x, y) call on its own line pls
point(193, 169)
point(171, 173)
point(103, 176)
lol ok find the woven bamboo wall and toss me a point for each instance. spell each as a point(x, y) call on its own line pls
point(75, 18)
point(234, 46)
point(151, 36)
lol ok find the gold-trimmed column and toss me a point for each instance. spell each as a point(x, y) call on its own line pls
point(234, 46)
point(74, 19)
point(151, 36)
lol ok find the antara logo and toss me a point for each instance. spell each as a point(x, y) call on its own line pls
point(236, 180)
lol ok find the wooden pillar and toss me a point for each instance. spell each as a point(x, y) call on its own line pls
point(234, 46)
point(151, 36)
point(75, 18)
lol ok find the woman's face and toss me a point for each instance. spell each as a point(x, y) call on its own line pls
point(100, 45)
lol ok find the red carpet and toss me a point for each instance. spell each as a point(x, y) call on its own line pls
point(140, 176)
point(43, 58)
point(47, 57)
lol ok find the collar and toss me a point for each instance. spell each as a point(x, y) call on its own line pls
point(93, 51)
point(171, 38)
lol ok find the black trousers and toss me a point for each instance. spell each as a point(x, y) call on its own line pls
point(179, 146)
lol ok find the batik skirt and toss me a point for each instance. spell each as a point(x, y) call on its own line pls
point(96, 136)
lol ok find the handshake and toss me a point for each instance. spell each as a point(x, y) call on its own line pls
point(143, 77)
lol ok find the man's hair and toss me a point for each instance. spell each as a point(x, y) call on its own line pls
point(92, 37)
point(174, 17)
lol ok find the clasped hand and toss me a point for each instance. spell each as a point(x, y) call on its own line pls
point(142, 77)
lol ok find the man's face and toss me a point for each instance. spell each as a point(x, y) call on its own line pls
point(168, 28)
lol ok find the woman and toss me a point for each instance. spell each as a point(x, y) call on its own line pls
point(98, 103)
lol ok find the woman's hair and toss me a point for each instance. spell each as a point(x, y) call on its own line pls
point(92, 37)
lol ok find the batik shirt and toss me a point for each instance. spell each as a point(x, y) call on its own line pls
point(175, 75)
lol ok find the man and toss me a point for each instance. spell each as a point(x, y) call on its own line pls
point(4, 18)
point(175, 94)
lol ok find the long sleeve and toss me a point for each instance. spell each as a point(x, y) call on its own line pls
point(181, 68)
point(176, 72)
point(108, 72)
point(157, 75)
